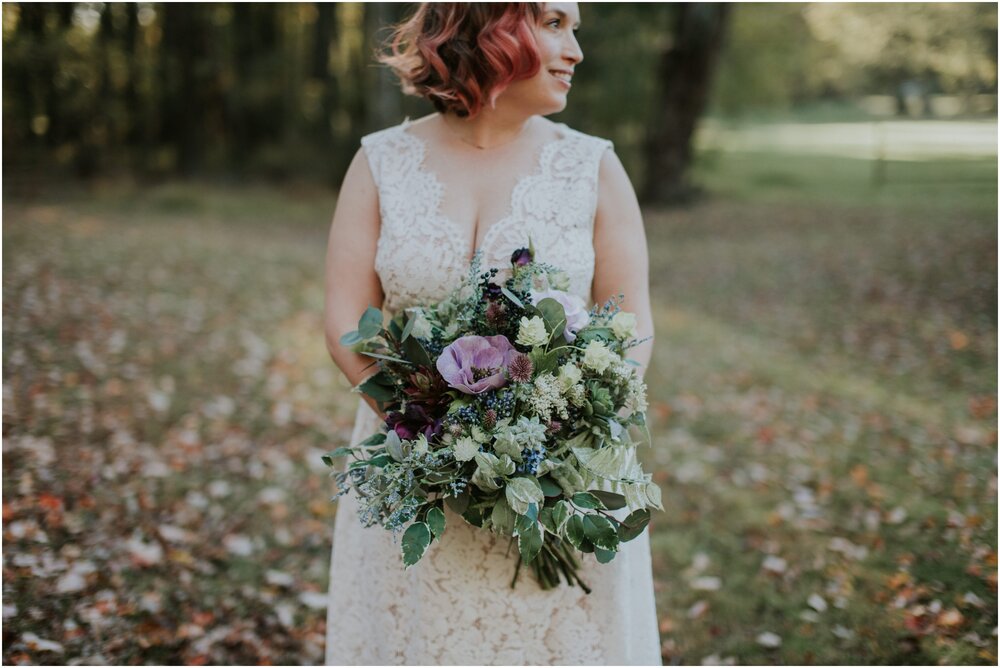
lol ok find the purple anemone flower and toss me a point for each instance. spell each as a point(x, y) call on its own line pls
point(475, 364)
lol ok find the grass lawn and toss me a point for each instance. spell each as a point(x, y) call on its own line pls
point(823, 404)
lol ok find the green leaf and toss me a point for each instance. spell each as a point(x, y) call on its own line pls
point(474, 516)
point(379, 460)
point(604, 556)
point(436, 521)
point(416, 352)
point(587, 500)
point(633, 525)
point(460, 503)
point(350, 338)
point(522, 491)
point(529, 542)
point(545, 517)
point(374, 439)
point(560, 515)
point(408, 327)
point(653, 494)
point(610, 500)
point(375, 388)
point(503, 517)
point(371, 323)
point(415, 541)
point(394, 446)
point(554, 316)
point(522, 523)
point(601, 532)
point(610, 462)
point(550, 487)
point(387, 357)
point(339, 452)
point(593, 334)
point(394, 327)
point(511, 296)
point(574, 531)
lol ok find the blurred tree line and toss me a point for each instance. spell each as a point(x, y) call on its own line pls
point(286, 90)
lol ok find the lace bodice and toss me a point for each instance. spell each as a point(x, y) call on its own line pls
point(421, 255)
point(456, 606)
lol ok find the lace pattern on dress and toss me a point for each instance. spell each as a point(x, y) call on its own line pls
point(554, 205)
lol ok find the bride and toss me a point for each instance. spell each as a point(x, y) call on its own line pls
point(484, 172)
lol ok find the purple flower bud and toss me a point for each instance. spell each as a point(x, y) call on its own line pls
point(521, 257)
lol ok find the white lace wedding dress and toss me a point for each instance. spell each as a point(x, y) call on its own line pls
point(455, 606)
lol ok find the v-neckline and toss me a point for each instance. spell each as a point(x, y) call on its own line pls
point(458, 230)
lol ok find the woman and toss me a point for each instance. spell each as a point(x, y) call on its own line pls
point(484, 172)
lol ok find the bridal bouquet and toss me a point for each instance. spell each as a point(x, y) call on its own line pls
point(512, 404)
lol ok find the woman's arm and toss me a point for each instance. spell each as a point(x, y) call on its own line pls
point(622, 259)
point(351, 281)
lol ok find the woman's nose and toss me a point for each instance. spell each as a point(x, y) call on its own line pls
point(573, 52)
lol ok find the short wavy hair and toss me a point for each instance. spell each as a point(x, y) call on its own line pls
point(462, 55)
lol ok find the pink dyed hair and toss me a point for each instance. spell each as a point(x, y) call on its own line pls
point(462, 55)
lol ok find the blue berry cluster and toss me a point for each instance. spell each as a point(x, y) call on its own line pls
point(457, 487)
point(467, 414)
point(532, 458)
point(502, 402)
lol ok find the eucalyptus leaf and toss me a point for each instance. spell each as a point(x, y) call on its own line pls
point(601, 532)
point(371, 323)
point(351, 338)
point(415, 541)
point(436, 521)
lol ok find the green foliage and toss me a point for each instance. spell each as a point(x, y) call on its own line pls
point(415, 540)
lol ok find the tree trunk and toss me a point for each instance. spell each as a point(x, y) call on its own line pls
point(685, 76)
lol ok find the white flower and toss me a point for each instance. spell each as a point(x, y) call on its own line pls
point(596, 356)
point(623, 324)
point(574, 307)
point(532, 332)
point(546, 398)
point(569, 375)
point(465, 449)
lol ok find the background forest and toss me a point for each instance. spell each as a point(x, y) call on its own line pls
point(819, 188)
